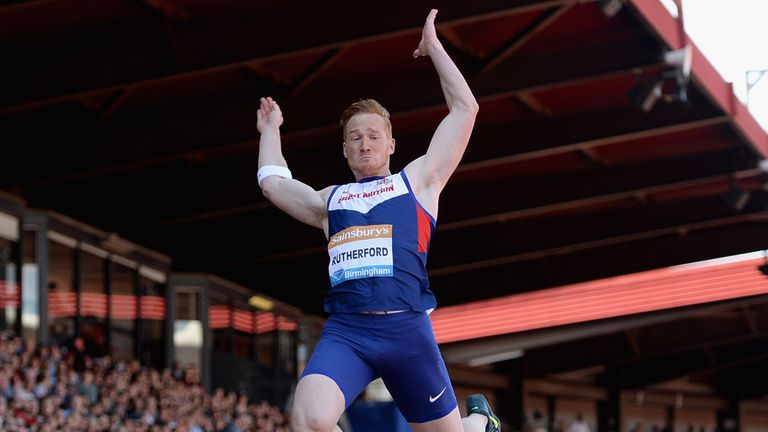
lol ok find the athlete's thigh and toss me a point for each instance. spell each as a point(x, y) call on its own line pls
point(451, 422)
point(336, 358)
point(318, 403)
point(415, 373)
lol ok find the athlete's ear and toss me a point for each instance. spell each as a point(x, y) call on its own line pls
point(392, 146)
point(344, 149)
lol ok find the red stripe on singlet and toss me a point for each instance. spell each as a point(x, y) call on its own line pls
point(425, 230)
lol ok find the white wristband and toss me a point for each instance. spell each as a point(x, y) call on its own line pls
point(272, 170)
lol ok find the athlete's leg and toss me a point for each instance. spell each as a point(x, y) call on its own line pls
point(317, 405)
point(453, 423)
point(477, 404)
point(335, 375)
point(415, 374)
point(474, 422)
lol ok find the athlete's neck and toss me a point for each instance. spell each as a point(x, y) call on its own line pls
point(365, 176)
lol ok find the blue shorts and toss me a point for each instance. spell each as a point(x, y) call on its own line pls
point(355, 349)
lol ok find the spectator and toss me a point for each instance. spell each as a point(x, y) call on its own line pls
point(42, 390)
point(578, 425)
point(79, 355)
point(87, 387)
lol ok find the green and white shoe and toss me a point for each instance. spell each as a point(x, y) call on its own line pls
point(477, 404)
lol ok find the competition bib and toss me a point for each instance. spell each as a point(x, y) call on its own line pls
point(360, 252)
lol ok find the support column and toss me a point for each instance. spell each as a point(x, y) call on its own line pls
point(728, 418)
point(41, 260)
point(202, 311)
point(609, 411)
point(108, 293)
point(510, 403)
point(170, 325)
point(77, 285)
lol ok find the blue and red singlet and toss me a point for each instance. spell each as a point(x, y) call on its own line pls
point(378, 242)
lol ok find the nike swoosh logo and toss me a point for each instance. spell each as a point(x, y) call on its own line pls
point(433, 399)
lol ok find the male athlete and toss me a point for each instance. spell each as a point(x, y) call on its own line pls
point(378, 231)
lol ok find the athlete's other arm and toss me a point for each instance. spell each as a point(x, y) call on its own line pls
point(429, 173)
point(289, 195)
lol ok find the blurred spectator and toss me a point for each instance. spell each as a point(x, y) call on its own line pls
point(578, 425)
point(43, 390)
point(537, 423)
point(79, 355)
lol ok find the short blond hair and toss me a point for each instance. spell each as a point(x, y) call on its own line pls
point(365, 106)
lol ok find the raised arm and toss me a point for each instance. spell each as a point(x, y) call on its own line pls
point(430, 173)
point(289, 195)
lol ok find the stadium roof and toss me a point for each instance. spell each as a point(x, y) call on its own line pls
point(699, 327)
point(138, 117)
point(634, 294)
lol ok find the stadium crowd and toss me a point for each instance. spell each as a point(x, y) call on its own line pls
point(52, 388)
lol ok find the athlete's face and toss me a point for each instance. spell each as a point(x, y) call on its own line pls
point(367, 145)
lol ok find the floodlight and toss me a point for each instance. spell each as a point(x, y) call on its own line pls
point(681, 59)
point(645, 96)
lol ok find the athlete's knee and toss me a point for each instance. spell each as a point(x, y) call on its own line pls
point(312, 419)
point(317, 405)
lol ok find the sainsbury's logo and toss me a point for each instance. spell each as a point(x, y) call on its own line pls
point(360, 233)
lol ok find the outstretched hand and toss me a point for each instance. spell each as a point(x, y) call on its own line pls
point(428, 36)
point(269, 115)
